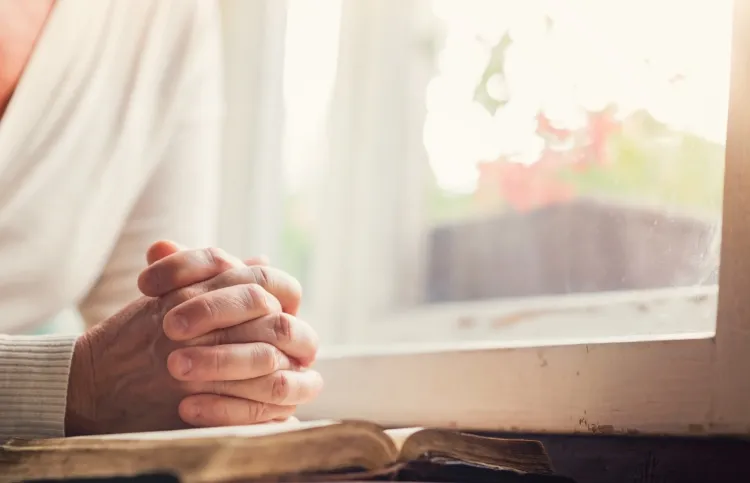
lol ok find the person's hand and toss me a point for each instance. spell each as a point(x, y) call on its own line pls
point(189, 356)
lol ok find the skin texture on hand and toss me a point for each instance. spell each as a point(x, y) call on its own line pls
point(211, 347)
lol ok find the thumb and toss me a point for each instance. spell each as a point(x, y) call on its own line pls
point(162, 249)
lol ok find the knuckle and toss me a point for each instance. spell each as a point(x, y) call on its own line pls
point(278, 359)
point(207, 307)
point(219, 337)
point(222, 411)
point(233, 276)
point(255, 297)
point(256, 411)
point(262, 275)
point(280, 387)
point(282, 328)
point(267, 358)
point(218, 258)
point(217, 360)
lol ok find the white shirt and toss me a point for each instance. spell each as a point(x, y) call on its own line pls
point(110, 142)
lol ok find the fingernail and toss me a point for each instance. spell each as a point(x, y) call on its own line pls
point(184, 364)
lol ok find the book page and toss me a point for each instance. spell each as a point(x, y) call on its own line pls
point(220, 432)
point(400, 435)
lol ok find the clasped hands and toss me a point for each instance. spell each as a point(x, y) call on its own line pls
point(213, 342)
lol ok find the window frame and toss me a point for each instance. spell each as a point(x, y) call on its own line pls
point(690, 383)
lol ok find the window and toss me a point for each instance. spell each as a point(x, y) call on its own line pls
point(505, 215)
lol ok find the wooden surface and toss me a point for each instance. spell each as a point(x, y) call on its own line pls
point(624, 459)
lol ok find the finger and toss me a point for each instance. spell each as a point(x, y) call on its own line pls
point(230, 362)
point(212, 410)
point(161, 249)
point(293, 336)
point(184, 268)
point(259, 260)
point(277, 282)
point(218, 309)
point(283, 388)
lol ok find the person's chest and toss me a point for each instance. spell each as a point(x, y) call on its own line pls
point(78, 141)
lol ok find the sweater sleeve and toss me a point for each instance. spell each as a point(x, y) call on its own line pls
point(34, 385)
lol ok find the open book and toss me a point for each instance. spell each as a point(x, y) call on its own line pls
point(274, 452)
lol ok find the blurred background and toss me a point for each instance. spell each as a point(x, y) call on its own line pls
point(445, 155)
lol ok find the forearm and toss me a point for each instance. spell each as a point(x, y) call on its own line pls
point(34, 374)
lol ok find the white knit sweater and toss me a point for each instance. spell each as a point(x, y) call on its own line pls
point(110, 142)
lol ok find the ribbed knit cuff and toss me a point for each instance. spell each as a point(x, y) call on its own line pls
point(34, 385)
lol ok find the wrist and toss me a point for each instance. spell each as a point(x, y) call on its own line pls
point(79, 410)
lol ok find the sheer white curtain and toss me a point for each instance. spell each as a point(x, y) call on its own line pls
point(252, 200)
point(367, 252)
point(366, 259)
